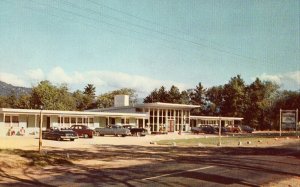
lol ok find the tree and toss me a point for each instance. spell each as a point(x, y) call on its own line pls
point(259, 98)
point(234, 96)
point(88, 99)
point(214, 96)
point(174, 95)
point(198, 97)
point(286, 100)
point(11, 100)
point(160, 95)
point(23, 101)
point(90, 90)
point(51, 97)
point(152, 97)
point(185, 97)
point(3, 102)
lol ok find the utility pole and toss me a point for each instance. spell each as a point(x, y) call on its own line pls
point(220, 131)
point(280, 123)
point(40, 133)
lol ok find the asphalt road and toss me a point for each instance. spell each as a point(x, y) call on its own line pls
point(212, 170)
point(167, 166)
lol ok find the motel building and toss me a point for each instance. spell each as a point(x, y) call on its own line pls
point(157, 117)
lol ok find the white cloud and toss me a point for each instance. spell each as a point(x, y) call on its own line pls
point(294, 76)
point(288, 80)
point(274, 78)
point(12, 79)
point(58, 75)
point(103, 80)
point(35, 74)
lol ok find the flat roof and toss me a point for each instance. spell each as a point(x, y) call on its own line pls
point(215, 118)
point(157, 105)
point(166, 105)
point(70, 113)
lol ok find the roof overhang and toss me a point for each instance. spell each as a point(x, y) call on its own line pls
point(215, 118)
point(70, 113)
point(166, 106)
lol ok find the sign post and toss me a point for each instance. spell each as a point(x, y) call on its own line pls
point(288, 119)
point(297, 122)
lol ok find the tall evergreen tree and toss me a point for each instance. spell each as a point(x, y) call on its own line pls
point(198, 97)
point(234, 96)
point(174, 95)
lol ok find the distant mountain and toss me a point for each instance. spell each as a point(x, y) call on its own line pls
point(6, 89)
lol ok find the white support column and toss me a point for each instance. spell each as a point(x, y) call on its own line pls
point(167, 121)
point(175, 121)
point(189, 116)
point(153, 120)
point(35, 122)
point(182, 122)
point(157, 123)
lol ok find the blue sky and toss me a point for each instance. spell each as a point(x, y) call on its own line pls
point(149, 43)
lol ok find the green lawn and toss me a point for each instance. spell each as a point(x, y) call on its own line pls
point(249, 139)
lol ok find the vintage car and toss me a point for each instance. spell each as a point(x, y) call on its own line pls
point(246, 128)
point(59, 135)
point(233, 129)
point(135, 131)
point(116, 130)
point(207, 129)
point(83, 131)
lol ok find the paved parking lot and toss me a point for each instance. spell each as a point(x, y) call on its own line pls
point(30, 142)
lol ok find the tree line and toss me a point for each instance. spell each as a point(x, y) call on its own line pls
point(258, 103)
point(59, 97)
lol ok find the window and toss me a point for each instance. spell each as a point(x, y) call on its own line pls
point(7, 119)
point(73, 120)
point(15, 119)
point(91, 120)
point(67, 120)
point(79, 120)
point(11, 119)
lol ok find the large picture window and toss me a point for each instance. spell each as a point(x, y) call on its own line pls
point(11, 119)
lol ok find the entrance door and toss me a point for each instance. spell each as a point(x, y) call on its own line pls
point(171, 126)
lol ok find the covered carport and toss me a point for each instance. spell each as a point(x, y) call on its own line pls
point(196, 121)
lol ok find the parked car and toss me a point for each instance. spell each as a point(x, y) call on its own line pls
point(223, 129)
point(115, 130)
point(83, 131)
point(59, 135)
point(233, 129)
point(246, 128)
point(135, 131)
point(207, 129)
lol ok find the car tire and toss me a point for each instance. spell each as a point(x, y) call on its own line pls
point(123, 135)
point(72, 139)
point(101, 134)
point(58, 139)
